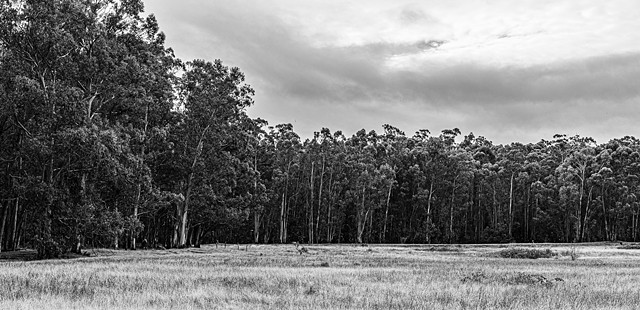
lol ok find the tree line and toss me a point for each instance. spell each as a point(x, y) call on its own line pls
point(109, 140)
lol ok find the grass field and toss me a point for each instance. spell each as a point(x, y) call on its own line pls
point(604, 276)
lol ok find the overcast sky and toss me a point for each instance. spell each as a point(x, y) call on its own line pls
point(507, 70)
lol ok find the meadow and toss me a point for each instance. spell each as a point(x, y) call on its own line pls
point(586, 276)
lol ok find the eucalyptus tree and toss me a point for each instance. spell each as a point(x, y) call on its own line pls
point(624, 184)
point(77, 71)
point(281, 147)
point(214, 98)
point(575, 171)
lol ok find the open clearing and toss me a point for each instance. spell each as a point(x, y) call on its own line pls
point(604, 276)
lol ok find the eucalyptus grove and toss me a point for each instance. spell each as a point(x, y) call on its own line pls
point(108, 140)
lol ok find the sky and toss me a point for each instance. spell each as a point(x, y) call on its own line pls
point(511, 71)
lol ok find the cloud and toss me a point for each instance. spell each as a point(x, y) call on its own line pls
point(304, 72)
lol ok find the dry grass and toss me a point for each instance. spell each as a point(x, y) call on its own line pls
point(328, 277)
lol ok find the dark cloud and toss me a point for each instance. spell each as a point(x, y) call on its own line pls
point(291, 74)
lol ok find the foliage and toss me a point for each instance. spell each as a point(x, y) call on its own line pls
point(109, 140)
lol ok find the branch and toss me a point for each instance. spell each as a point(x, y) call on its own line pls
point(22, 126)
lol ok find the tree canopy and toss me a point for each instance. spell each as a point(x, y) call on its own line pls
point(109, 140)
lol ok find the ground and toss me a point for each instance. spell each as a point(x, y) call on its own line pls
point(598, 276)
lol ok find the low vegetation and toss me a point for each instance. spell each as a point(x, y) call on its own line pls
point(326, 277)
point(526, 253)
point(630, 247)
point(518, 278)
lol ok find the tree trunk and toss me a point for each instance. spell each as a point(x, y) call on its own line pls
point(526, 213)
point(182, 233)
point(453, 196)
point(386, 214)
point(283, 207)
point(329, 206)
point(176, 227)
point(360, 218)
point(14, 231)
point(586, 214)
point(83, 200)
point(184, 215)
point(511, 207)
point(115, 239)
point(198, 234)
point(605, 215)
point(579, 226)
point(310, 215)
point(316, 233)
point(2, 225)
point(495, 207)
point(283, 234)
point(45, 235)
point(136, 205)
point(370, 214)
point(256, 227)
point(256, 207)
point(429, 211)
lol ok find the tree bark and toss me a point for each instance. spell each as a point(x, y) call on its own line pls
point(511, 206)
point(184, 215)
point(14, 231)
point(580, 224)
point(586, 214)
point(361, 217)
point(495, 208)
point(136, 205)
point(316, 233)
point(386, 213)
point(256, 207)
point(198, 234)
point(5, 208)
point(453, 196)
point(605, 214)
point(526, 212)
point(117, 236)
point(329, 206)
point(283, 207)
point(310, 219)
point(256, 227)
point(429, 211)
point(283, 237)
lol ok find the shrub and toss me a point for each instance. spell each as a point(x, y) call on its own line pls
point(440, 249)
point(519, 278)
point(526, 253)
point(477, 277)
point(49, 249)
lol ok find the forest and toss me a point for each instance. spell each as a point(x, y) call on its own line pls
point(107, 139)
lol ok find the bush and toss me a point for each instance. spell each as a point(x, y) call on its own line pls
point(499, 234)
point(526, 253)
point(441, 249)
point(519, 278)
point(49, 249)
